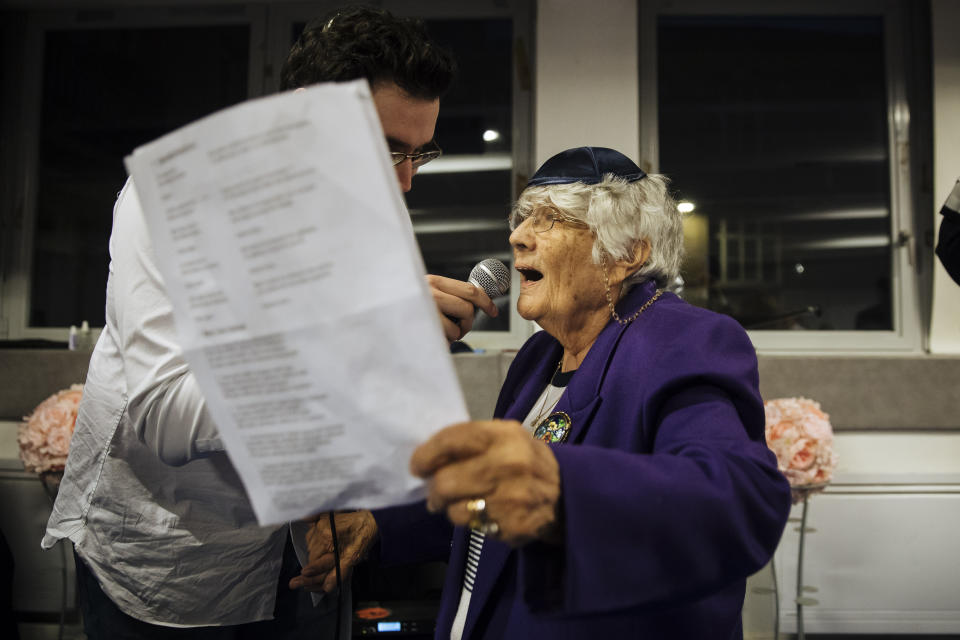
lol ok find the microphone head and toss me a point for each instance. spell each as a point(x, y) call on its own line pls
point(492, 276)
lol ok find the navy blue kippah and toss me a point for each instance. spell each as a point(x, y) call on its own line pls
point(587, 165)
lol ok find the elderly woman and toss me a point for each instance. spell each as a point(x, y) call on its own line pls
point(625, 489)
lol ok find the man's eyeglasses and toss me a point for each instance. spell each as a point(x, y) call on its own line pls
point(542, 220)
point(418, 159)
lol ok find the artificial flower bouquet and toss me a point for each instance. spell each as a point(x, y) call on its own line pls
point(44, 435)
point(800, 435)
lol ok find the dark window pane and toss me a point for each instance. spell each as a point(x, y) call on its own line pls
point(104, 93)
point(481, 96)
point(776, 129)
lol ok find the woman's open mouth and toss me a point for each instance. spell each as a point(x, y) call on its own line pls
point(529, 275)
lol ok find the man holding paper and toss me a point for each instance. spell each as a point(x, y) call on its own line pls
point(167, 542)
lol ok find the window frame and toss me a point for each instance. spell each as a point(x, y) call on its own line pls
point(282, 18)
point(907, 287)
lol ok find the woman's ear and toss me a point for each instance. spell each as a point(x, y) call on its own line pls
point(623, 269)
point(641, 253)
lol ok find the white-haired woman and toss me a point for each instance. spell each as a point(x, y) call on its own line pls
point(625, 489)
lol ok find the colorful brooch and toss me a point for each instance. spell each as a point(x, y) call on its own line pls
point(554, 428)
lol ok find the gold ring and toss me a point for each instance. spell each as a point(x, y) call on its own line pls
point(479, 520)
point(477, 508)
point(489, 528)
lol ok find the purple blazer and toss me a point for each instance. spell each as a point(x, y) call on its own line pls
point(670, 497)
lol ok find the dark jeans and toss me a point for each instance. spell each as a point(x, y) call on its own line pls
point(294, 616)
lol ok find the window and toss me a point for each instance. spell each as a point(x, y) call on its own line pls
point(110, 81)
point(107, 82)
point(106, 91)
point(785, 134)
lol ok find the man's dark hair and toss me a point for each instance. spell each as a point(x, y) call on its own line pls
point(360, 42)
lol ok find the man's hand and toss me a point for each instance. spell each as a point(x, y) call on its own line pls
point(456, 301)
point(517, 476)
point(356, 533)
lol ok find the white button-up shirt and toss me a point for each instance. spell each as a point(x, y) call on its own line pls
point(148, 497)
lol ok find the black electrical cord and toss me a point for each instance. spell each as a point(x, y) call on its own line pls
point(336, 564)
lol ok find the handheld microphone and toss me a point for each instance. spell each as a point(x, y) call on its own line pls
point(492, 276)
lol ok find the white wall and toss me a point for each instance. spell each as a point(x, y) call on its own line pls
point(587, 83)
point(945, 320)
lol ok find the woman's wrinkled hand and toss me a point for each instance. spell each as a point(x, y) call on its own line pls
point(356, 533)
point(517, 477)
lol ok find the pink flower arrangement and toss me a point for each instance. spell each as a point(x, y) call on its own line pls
point(800, 435)
point(45, 434)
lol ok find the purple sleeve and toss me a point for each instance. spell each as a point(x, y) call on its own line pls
point(409, 533)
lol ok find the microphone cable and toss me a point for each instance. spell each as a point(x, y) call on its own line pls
point(336, 564)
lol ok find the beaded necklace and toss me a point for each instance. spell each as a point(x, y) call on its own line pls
point(613, 311)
